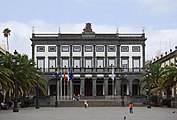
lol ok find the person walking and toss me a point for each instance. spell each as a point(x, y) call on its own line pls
point(131, 107)
point(85, 104)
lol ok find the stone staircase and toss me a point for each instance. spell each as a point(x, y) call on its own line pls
point(91, 103)
point(109, 101)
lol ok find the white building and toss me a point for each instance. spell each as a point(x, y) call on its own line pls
point(94, 60)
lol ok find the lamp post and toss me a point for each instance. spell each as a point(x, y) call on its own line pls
point(148, 91)
point(56, 99)
point(37, 91)
point(122, 97)
point(122, 86)
point(14, 60)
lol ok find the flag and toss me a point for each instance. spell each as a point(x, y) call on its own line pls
point(71, 75)
point(64, 75)
point(68, 74)
point(60, 74)
point(112, 73)
point(57, 74)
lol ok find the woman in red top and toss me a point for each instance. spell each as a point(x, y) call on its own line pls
point(131, 107)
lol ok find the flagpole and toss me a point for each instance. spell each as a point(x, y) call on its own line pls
point(113, 87)
point(64, 89)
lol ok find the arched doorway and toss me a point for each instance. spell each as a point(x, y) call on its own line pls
point(52, 87)
point(110, 86)
point(124, 87)
point(76, 86)
point(135, 87)
point(88, 87)
point(99, 87)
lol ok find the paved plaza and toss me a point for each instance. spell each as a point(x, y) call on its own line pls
point(91, 113)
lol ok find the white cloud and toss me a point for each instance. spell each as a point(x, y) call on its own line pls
point(160, 5)
point(19, 39)
point(160, 41)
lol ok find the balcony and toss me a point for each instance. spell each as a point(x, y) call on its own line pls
point(93, 70)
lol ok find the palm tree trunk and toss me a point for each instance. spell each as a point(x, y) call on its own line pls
point(7, 44)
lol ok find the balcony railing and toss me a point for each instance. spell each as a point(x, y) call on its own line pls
point(95, 70)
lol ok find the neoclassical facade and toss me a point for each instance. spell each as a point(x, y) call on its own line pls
point(92, 58)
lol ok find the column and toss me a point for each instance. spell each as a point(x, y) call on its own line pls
point(118, 56)
point(58, 89)
point(71, 54)
point(106, 56)
point(106, 86)
point(58, 55)
point(71, 89)
point(113, 92)
point(94, 86)
point(61, 89)
point(82, 56)
point(118, 87)
point(130, 88)
point(82, 87)
point(94, 54)
point(68, 90)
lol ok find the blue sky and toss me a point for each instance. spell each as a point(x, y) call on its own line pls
point(157, 16)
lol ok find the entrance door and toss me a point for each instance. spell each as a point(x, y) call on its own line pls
point(76, 87)
point(52, 90)
point(135, 90)
point(88, 87)
point(110, 82)
point(99, 88)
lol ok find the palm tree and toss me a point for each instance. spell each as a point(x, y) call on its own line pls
point(6, 33)
point(25, 74)
point(170, 78)
point(154, 80)
point(6, 82)
point(155, 72)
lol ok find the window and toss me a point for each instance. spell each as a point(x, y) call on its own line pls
point(100, 48)
point(40, 48)
point(111, 62)
point(88, 63)
point(52, 48)
point(88, 48)
point(76, 48)
point(124, 48)
point(136, 48)
point(77, 63)
point(111, 48)
point(65, 62)
point(65, 48)
point(52, 64)
point(100, 62)
point(41, 63)
point(136, 64)
point(124, 64)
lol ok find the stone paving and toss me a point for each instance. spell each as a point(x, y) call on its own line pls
point(91, 113)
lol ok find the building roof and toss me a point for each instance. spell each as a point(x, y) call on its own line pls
point(166, 57)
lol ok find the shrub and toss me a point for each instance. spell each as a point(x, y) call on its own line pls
point(166, 102)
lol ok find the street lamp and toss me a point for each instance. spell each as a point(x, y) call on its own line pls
point(56, 100)
point(122, 97)
point(148, 91)
point(14, 60)
point(37, 91)
point(122, 86)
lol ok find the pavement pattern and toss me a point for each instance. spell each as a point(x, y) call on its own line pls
point(90, 113)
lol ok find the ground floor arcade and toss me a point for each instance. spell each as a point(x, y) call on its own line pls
point(93, 87)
